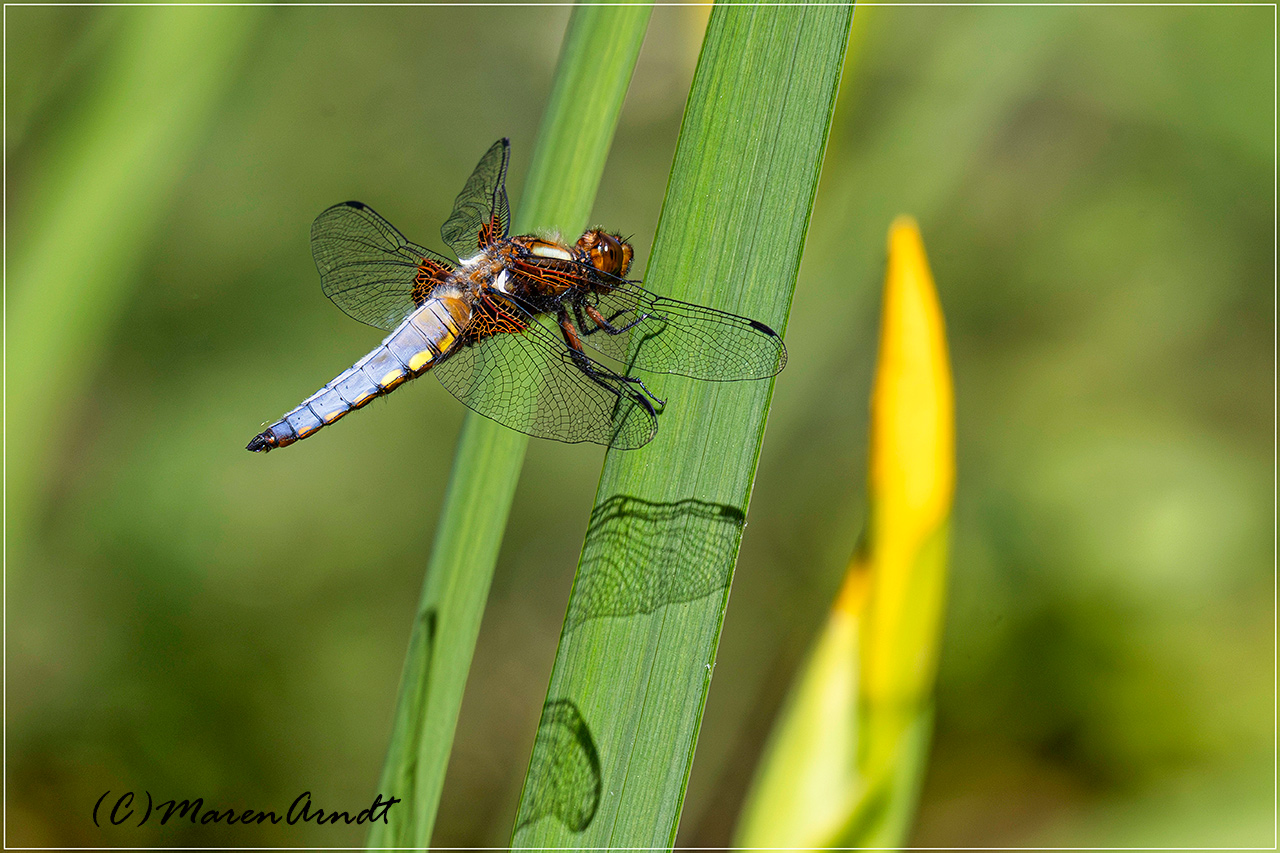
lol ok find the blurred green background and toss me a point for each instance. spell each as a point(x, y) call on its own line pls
point(188, 619)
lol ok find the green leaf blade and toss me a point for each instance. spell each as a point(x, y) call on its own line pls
point(638, 648)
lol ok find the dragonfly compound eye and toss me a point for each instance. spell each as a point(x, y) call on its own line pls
point(609, 254)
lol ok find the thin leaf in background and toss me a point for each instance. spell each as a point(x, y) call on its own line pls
point(616, 741)
point(596, 62)
point(93, 211)
point(845, 761)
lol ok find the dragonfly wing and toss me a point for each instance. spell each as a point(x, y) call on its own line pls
point(671, 336)
point(531, 382)
point(368, 268)
point(481, 214)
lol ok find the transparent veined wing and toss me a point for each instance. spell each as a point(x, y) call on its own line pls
point(677, 337)
point(481, 214)
point(368, 268)
point(532, 382)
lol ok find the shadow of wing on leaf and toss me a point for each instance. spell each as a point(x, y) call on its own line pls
point(640, 556)
point(564, 774)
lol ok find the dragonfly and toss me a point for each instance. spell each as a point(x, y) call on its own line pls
point(507, 328)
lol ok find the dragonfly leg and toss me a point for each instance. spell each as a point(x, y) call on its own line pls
point(582, 321)
point(635, 381)
point(593, 370)
point(606, 324)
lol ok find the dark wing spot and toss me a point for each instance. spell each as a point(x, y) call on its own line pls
point(358, 205)
point(761, 327)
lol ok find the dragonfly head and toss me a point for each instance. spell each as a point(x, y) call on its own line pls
point(609, 253)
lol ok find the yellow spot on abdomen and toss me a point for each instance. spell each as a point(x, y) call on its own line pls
point(421, 360)
point(393, 377)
